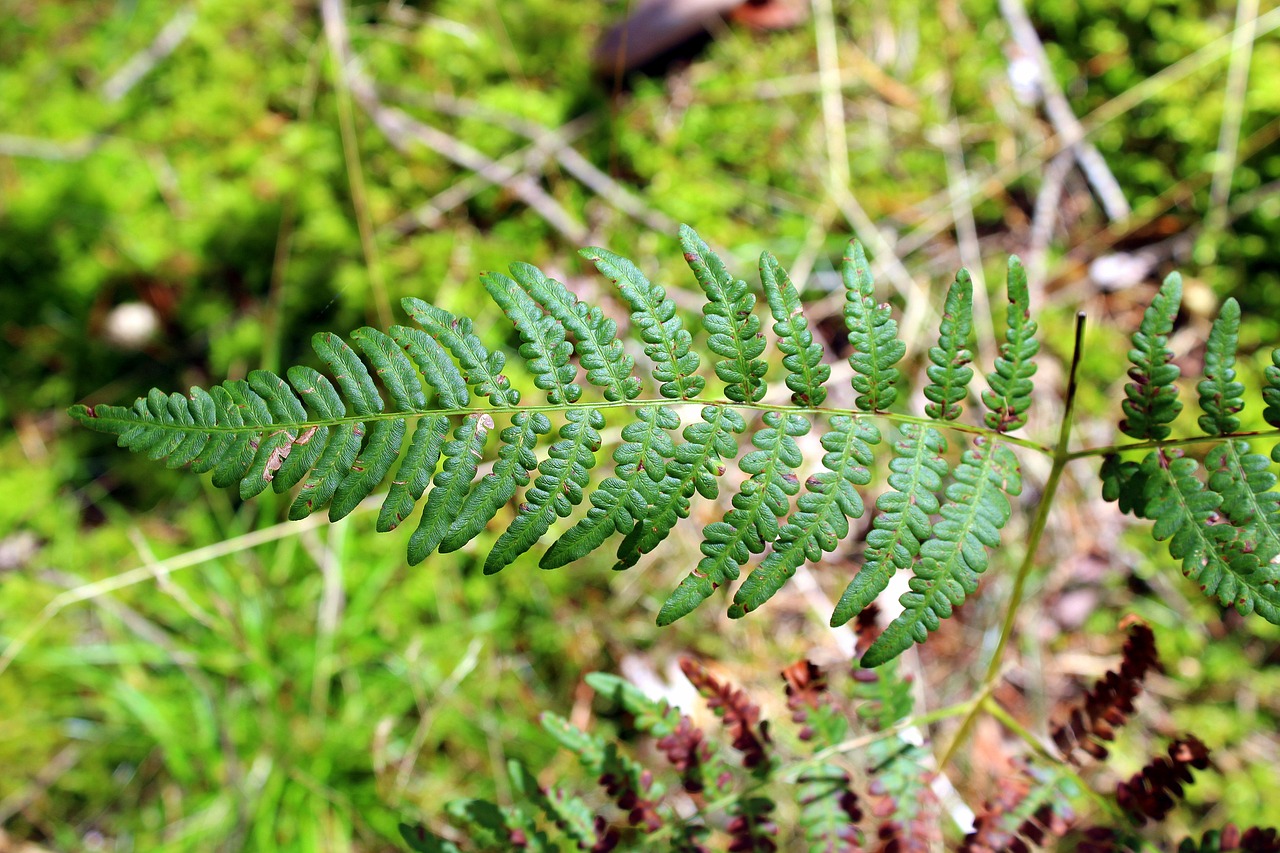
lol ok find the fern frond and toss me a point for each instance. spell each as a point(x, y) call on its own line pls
point(381, 448)
point(516, 460)
point(544, 348)
point(598, 347)
point(948, 374)
point(821, 519)
point(1244, 479)
point(435, 365)
point(1011, 386)
point(1221, 397)
point(751, 825)
point(801, 356)
point(1151, 402)
point(752, 523)
point(1271, 393)
point(900, 791)
point(1151, 793)
point(873, 334)
point(284, 406)
point(727, 315)
point(415, 471)
point(481, 369)
point(695, 468)
point(569, 813)
point(829, 811)
point(630, 785)
point(976, 510)
point(1031, 804)
point(666, 341)
point(622, 500)
point(903, 523)
point(461, 458)
point(1186, 514)
point(563, 476)
point(741, 716)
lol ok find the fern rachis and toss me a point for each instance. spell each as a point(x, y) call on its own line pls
point(417, 406)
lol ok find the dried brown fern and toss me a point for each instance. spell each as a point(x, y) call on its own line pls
point(1108, 705)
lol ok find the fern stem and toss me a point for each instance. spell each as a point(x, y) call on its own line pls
point(641, 403)
point(1060, 459)
point(1152, 444)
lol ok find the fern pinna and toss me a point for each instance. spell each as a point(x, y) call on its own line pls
point(333, 439)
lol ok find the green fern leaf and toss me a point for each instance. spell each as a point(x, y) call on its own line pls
point(1184, 512)
point(873, 334)
point(252, 462)
point(1244, 481)
point(948, 375)
point(339, 450)
point(821, 519)
point(752, 523)
point(598, 347)
point(1221, 397)
point(1011, 386)
point(481, 369)
point(393, 367)
point(569, 813)
point(598, 756)
point(826, 803)
point(381, 448)
point(349, 372)
point(902, 524)
point(292, 460)
point(322, 400)
point(332, 466)
point(564, 474)
point(1271, 393)
point(1151, 402)
point(622, 500)
point(976, 510)
point(516, 460)
point(666, 341)
point(651, 716)
point(437, 369)
point(545, 350)
point(166, 444)
point(696, 467)
point(727, 315)
point(801, 356)
point(422, 841)
point(415, 471)
point(461, 457)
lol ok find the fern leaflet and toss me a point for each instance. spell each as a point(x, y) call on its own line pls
point(752, 523)
point(873, 333)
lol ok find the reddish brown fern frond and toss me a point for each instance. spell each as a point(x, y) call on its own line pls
point(1151, 793)
point(990, 833)
point(1003, 824)
point(806, 691)
point(741, 716)
point(866, 628)
point(752, 830)
point(1107, 707)
point(687, 750)
point(630, 793)
point(1255, 839)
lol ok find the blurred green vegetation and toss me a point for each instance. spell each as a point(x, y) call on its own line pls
point(307, 691)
